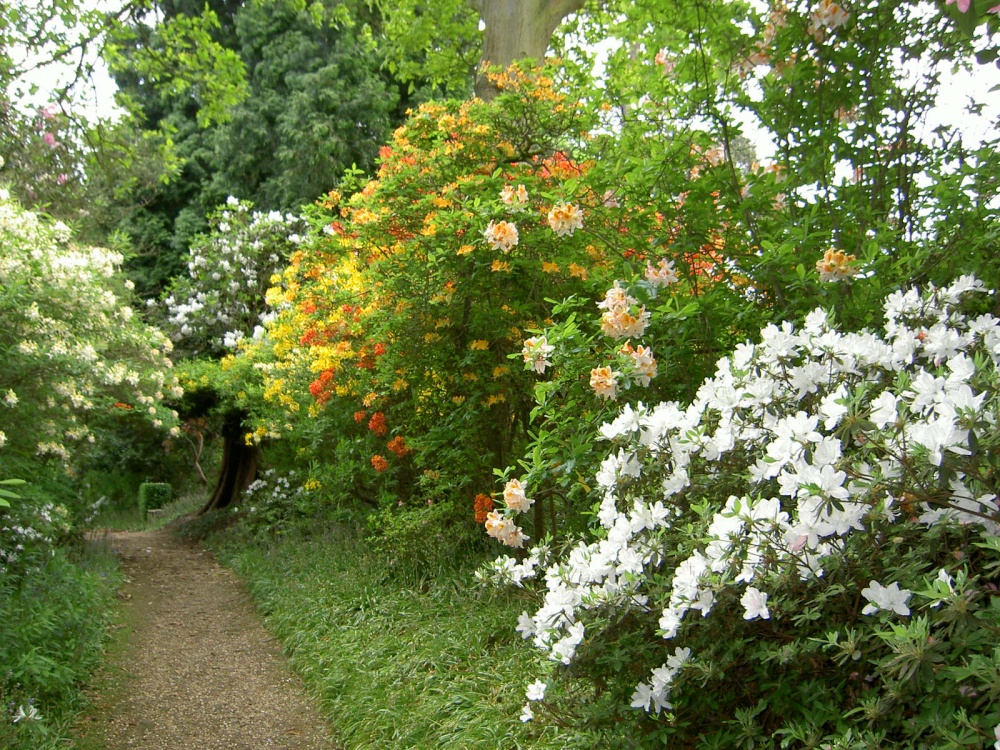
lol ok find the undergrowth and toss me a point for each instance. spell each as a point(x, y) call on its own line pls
point(53, 622)
point(397, 660)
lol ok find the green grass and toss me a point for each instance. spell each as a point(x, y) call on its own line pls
point(129, 517)
point(397, 662)
point(54, 622)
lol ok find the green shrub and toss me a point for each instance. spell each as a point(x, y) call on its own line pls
point(154, 495)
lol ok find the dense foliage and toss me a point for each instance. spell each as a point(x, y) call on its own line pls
point(791, 540)
point(78, 368)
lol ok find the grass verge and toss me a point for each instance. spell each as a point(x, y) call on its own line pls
point(395, 661)
point(54, 623)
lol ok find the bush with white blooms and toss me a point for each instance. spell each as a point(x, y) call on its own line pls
point(805, 556)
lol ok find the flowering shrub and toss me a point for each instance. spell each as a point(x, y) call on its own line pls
point(808, 551)
point(222, 298)
point(397, 323)
point(76, 360)
point(274, 501)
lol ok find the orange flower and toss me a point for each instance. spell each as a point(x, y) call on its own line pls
point(360, 416)
point(379, 463)
point(482, 504)
point(377, 424)
point(398, 446)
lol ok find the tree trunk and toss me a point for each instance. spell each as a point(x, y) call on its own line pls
point(516, 29)
point(239, 465)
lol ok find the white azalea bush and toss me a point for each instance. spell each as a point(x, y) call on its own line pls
point(221, 300)
point(75, 360)
point(805, 556)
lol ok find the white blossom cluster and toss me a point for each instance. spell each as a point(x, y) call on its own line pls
point(74, 344)
point(828, 431)
point(222, 299)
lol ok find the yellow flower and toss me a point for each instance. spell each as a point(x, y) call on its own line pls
point(369, 399)
point(500, 265)
point(548, 267)
point(495, 399)
point(465, 250)
point(400, 385)
point(578, 271)
point(458, 399)
point(480, 345)
point(313, 484)
point(470, 376)
point(432, 338)
point(499, 372)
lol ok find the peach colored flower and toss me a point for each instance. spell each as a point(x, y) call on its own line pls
point(662, 273)
point(502, 235)
point(515, 198)
point(604, 382)
point(565, 218)
point(514, 497)
point(835, 265)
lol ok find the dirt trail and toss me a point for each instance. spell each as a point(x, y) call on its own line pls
point(198, 670)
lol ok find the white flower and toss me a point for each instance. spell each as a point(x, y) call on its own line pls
point(10, 398)
point(535, 352)
point(662, 274)
point(31, 714)
point(526, 713)
point(525, 625)
point(536, 691)
point(642, 696)
point(754, 602)
point(889, 597)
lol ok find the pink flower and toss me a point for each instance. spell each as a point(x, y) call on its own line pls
point(62, 179)
point(963, 5)
point(49, 139)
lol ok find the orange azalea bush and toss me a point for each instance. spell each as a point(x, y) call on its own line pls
point(396, 325)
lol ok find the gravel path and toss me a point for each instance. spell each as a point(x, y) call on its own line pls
point(198, 670)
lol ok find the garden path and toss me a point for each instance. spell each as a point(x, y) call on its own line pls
point(196, 669)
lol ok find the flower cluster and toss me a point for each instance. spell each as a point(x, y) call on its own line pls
point(502, 235)
point(836, 265)
point(662, 274)
point(221, 301)
point(829, 434)
point(516, 199)
point(826, 16)
point(500, 524)
point(618, 320)
point(536, 352)
point(565, 218)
